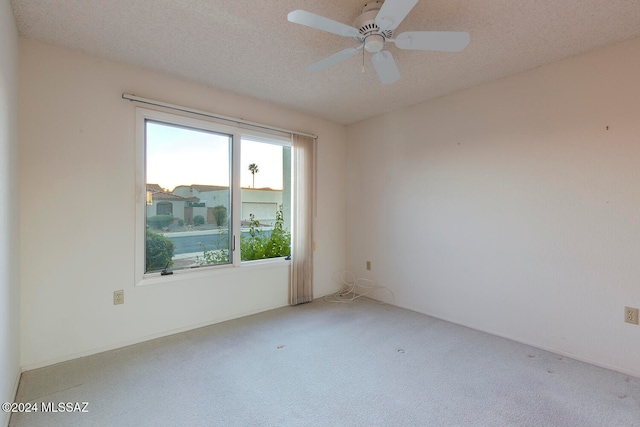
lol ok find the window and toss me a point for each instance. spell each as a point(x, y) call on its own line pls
point(164, 208)
point(215, 195)
point(266, 199)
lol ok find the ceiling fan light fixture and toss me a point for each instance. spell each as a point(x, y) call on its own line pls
point(373, 28)
point(373, 43)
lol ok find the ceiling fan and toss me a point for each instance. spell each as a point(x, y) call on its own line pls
point(373, 28)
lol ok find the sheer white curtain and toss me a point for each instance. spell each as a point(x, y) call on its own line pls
point(301, 284)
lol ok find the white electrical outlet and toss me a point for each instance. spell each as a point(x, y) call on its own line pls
point(631, 315)
point(118, 297)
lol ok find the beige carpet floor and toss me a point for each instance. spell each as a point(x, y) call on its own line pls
point(323, 364)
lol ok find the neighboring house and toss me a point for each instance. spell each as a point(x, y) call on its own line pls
point(161, 202)
point(261, 202)
point(209, 196)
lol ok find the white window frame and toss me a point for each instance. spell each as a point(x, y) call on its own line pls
point(237, 133)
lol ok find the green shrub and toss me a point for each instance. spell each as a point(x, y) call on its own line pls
point(180, 222)
point(159, 251)
point(279, 243)
point(220, 215)
point(159, 221)
point(198, 220)
point(253, 247)
point(260, 246)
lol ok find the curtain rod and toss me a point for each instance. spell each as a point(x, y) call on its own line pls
point(135, 98)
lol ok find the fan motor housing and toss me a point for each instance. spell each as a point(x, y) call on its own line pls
point(365, 23)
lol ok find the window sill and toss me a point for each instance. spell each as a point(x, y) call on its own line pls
point(204, 272)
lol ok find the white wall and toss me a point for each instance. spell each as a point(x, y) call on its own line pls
point(9, 218)
point(78, 146)
point(510, 207)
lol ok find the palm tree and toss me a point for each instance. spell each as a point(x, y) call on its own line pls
point(254, 170)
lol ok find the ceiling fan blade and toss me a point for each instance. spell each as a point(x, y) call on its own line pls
point(445, 41)
point(334, 59)
point(385, 67)
point(318, 22)
point(393, 12)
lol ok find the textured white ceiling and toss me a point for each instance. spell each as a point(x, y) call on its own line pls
point(248, 46)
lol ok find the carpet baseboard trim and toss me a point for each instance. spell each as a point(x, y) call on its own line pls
point(65, 358)
point(534, 345)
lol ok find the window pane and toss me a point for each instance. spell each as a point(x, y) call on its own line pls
point(188, 215)
point(266, 200)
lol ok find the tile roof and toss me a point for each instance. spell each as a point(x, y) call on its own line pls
point(157, 193)
point(154, 188)
point(203, 187)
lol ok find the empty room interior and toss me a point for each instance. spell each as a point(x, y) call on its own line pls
point(475, 165)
